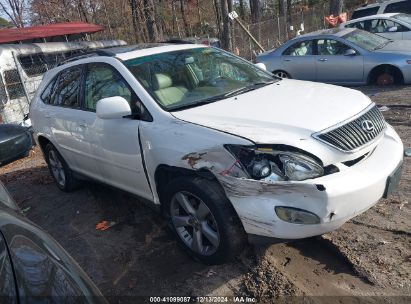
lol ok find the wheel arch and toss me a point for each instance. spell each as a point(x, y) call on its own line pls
point(165, 173)
point(385, 67)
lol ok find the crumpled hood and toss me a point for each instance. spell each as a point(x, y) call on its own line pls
point(288, 109)
point(397, 46)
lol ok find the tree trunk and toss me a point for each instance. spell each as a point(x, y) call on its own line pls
point(255, 11)
point(184, 17)
point(289, 18)
point(225, 37)
point(281, 8)
point(134, 17)
point(242, 9)
point(336, 7)
point(149, 14)
point(217, 5)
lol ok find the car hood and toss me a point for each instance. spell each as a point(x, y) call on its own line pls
point(286, 109)
point(397, 46)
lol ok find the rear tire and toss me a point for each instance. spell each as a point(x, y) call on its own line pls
point(61, 173)
point(203, 220)
point(386, 75)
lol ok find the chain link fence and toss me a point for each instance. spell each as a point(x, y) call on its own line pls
point(272, 33)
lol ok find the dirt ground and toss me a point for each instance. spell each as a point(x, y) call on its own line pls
point(368, 257)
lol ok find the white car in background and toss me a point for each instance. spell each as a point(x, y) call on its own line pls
point(393, 26)
point(222, 147)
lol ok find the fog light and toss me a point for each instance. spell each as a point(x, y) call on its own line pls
point(296, 216)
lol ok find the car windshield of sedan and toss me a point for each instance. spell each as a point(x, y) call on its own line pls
point(366, 40)
point(192, 77)
point(403, 17)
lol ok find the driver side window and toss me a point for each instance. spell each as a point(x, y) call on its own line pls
point(331, 47)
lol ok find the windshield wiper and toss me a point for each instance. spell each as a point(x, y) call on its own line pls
point(235, 92)
point(197, 103)
point(251, 87)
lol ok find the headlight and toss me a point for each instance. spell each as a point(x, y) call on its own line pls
point(273, 165)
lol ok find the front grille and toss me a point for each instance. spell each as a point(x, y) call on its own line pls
point(351, 136)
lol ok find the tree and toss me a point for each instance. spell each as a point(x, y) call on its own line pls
point(184, 17)
point(226, 33)
point(4, 23)
point(15, 10)
point(150, 15)
point(255, 9)
point(336, 7)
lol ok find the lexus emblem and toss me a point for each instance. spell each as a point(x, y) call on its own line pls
point(367, 126)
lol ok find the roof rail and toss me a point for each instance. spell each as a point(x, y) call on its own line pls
point(85, 54)
point(178, 41)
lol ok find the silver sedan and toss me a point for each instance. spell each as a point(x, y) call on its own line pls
point(342, 56)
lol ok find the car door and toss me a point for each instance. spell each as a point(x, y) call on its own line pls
point(334, 66)
point(298, 60)
point(116, 144)
point(67, 121)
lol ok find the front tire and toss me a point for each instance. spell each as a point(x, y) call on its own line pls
point(281, 74)
point(203, 220)
point(59, 169)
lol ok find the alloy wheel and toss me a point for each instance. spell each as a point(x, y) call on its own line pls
point(194, 223)
point(281, 74)
point(57, 169)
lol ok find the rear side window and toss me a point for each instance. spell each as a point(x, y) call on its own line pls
point(399, 7)
point(303, 48)
point(13, 84)
point(365, 12)
point(64, 89)
point(46, 96)
point(68, 89)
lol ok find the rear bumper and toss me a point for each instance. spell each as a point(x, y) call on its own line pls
point(343, 196)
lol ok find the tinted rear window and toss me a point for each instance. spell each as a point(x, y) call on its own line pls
point(365, 12)
point(399, 7)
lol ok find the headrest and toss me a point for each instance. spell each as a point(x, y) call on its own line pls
point(161, 81)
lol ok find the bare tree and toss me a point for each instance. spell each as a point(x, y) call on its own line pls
point(15, 10)
point(242, 9)
point(184, 17)
point(255, 9)
point(336, 7)
point(150, 17)
point(226, 33)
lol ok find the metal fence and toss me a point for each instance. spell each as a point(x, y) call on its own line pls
point(272, 33)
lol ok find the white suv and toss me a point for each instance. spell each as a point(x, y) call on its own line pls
point(222, 147)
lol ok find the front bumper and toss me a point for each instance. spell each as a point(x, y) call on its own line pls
point(334, 198)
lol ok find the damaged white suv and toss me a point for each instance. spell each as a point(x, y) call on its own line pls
point(222, 147)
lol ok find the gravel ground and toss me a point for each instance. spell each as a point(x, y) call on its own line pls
point(369, 257)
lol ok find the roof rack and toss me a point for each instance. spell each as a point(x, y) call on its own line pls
point(85, 54)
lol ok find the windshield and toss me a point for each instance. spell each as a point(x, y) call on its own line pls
point(366, 40)
point(188, 78)
point(403, 17)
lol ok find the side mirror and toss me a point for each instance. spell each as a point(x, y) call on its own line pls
point(112, 108)
point(393, 29)
point(350, 52)
point(261, 66)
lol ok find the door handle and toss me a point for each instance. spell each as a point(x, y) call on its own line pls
point(48, 115)
point(322, 59)
point(287, 59)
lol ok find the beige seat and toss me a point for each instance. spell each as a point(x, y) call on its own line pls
point(166, 93)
